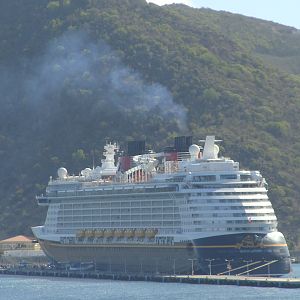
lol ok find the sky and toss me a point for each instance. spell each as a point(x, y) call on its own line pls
point(286, 12)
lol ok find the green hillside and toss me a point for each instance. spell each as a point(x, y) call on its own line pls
point(274, 43)
point(75, 72)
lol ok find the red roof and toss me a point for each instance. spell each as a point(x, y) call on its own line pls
point(17, 239)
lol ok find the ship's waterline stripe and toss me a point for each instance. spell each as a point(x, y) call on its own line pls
point(162, 246)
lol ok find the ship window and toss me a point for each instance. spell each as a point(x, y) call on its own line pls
point(167, 223)
point(67, 206)
point(105, 224)
point(156, 223)
point(96, 212)
point(228, 176)
point(177, 178)
point(125, 223)
point(245, 177)
point(207, 178)
point(89, 205)
point(168, 203)
point(168, 217)
point(147, 217)
point(168, 209)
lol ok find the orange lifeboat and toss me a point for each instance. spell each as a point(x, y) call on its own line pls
point(140, 233)
point(108, 233)
point(119, 233)
point(90, 233)
point(129, 233)
point(80, 234)
point(99, 233)
point(150, 233)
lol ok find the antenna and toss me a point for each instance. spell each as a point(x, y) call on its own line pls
point(93, 157)
point(210, 150)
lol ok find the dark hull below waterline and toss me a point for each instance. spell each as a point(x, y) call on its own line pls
point(213, 255)
point(124, 257)
point(253, 254)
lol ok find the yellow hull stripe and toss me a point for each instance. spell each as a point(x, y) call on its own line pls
point(159, 246)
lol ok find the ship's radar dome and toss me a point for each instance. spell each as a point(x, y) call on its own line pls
point(194, 151)
point(62, 173)
point(216, 151)
point(86, 172)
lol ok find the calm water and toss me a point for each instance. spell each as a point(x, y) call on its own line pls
point(33, 288)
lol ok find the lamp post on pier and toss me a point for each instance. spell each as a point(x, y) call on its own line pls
point(229, 265)
point(268, 265)
point(192, 260)
point(210, 260)
point(247, 261)
point(174, 266)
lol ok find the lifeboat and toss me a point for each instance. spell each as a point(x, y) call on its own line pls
point(99, 233)
point(129, 233)
point(90, 233)
point(119, 233)
point(108, 233)
point(140, 233)
point(80, 234)
point(150, 233)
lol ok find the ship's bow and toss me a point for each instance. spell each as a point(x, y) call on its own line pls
point(244, 254)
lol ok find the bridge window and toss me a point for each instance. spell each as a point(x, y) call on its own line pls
point(228, 176)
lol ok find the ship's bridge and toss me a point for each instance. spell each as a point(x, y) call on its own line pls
point(208, 160)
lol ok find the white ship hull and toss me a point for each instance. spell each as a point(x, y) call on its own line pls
point(166, 214)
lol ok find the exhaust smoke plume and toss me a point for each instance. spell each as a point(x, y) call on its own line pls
point(74, 63)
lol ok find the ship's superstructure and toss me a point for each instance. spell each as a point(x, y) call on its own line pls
point(163, 212)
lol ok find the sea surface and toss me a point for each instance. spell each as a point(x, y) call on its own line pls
point(44, 288)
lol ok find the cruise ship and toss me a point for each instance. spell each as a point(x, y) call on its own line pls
point(184, 210)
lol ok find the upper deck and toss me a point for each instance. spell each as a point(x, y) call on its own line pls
point(148, 167)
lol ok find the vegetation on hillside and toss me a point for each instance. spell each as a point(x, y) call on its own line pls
point(75, 72)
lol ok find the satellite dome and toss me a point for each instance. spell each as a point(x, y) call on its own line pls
point(86, 172)
point(194, 151)
point(216, 151)
point(62, 173)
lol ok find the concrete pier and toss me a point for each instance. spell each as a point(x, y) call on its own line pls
point(195, 279)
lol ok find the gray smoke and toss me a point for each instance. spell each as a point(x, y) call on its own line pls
point(75, 63)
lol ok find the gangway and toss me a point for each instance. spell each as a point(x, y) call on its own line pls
point(242, 267)
point(261, 266)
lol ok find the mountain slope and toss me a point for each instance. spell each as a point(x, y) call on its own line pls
point(274, 43)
